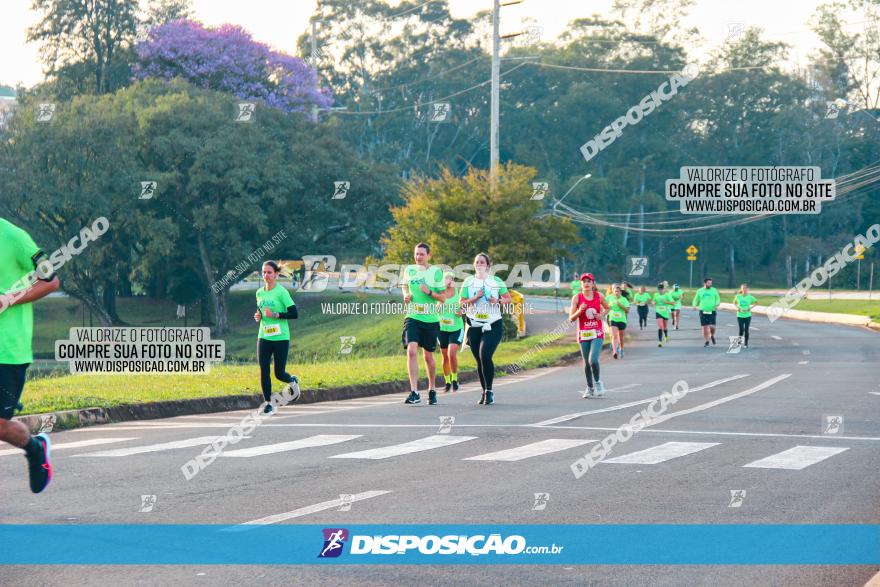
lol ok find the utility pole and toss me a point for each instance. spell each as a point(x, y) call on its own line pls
point(496, 91)
point(314, 57)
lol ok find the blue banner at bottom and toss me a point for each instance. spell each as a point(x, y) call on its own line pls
point(637, 544)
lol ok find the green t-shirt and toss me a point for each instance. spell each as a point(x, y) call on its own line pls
point(618, 305)
point(642, 299)
point(676, 295)
point(18, 253)
point(575, 287)
point(449, 320)
point(663, 301)
point(276, 299)
point(424, 307)
point(707, 300)
point(743, 305)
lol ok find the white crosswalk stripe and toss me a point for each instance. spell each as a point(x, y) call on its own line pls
point(136, 450)
point(310, 442)
point(534, 449)
point(422, 444)
point(797, 458)
point(661, 453)
point(69, 445)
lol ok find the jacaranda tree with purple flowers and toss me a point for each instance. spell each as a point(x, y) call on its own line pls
point(228, 59)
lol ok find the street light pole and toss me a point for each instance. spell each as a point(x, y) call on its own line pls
point(496, 90)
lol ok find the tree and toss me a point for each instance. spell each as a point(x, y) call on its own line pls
point(460, 216)
point(161, 12)
point(89, 32)
point(227, 59)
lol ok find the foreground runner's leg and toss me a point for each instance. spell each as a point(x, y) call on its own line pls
point(431, 368)
point(412, 367)
point(264, 358)
point(36, 448)
point(595, 354)
point(588, 371)
point(475, 339)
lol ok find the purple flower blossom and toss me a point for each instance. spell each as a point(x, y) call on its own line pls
point(228, 59)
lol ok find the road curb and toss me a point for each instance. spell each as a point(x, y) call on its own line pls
point(817, 317)
point(69, 419)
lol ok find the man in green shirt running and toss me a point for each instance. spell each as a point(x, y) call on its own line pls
point(25, 277)
point(618, 306)
point(423, 288)
point(744, 302)
point(451, 331)
point(706, 300)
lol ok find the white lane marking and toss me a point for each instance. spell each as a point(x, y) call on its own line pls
point(661, 452)
point(75, 444)
point(135, 450)
point(774, 337)
point(722, 400)
point(806, 352)
point(623, 387)
point(797, 458)
point(534, 449)
point(716, 433)
point(310, 442)
point(803, 362)
point(874, 392)
point(568, 417)
point(427, 443)
point(311, 509)
point(754, 328)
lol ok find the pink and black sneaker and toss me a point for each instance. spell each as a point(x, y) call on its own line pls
point(39, 465)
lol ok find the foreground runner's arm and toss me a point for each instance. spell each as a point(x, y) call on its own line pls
point(697, 297)
point(42, 287)
point(575, 310)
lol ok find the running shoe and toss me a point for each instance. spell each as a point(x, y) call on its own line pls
point(600, 389)
point(490, 397)
point(413, 398)
point(447, 388)
point(706, 344)
point(614, 353)
point(621, 352)
point(665, 338)
point(589, 393)
point(432, 397)
point(269, 408)
point(295, 391)
point(40, 467)
point(483, 398)
point(455, 385)
point(660, 343)
point(745, 346)
point(712, 336)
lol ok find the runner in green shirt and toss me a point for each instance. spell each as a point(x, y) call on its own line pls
point(618, 306)
point(274, 308)
point(662, 301)
point(676, 294)
point(575, 285)
point(423, 287)
point(744, 303)
point(451, 331)
point(26, 276)
point(642, 299)
point(706, 300)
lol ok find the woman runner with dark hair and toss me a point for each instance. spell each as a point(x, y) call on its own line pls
point(274, 308)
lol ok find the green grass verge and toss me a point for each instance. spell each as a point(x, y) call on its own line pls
point(67, 392)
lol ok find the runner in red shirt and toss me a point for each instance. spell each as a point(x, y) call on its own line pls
point(589, 309)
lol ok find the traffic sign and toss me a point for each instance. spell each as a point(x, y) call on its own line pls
point(692, 257)
point(860, 252)
point(692, 250)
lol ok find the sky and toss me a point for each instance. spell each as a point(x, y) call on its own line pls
point(280, 22)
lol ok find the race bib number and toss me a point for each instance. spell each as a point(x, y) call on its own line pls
point(420, 308)
point(588, 334)
point(446, 321)
point(482, 315)
point(271, 329)
point(707, 313)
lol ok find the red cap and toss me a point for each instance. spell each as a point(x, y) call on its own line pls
point(588, 276)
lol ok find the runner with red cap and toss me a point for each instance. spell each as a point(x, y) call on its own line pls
point(589, 309)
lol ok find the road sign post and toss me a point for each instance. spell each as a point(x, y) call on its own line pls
point(860, 254)
point(692, 256)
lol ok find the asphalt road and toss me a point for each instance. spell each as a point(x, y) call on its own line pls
point(757, 421)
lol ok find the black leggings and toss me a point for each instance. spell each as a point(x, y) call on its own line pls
point(643, 316)
point(483, 345)
point(266, 349)
point(744, 324)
